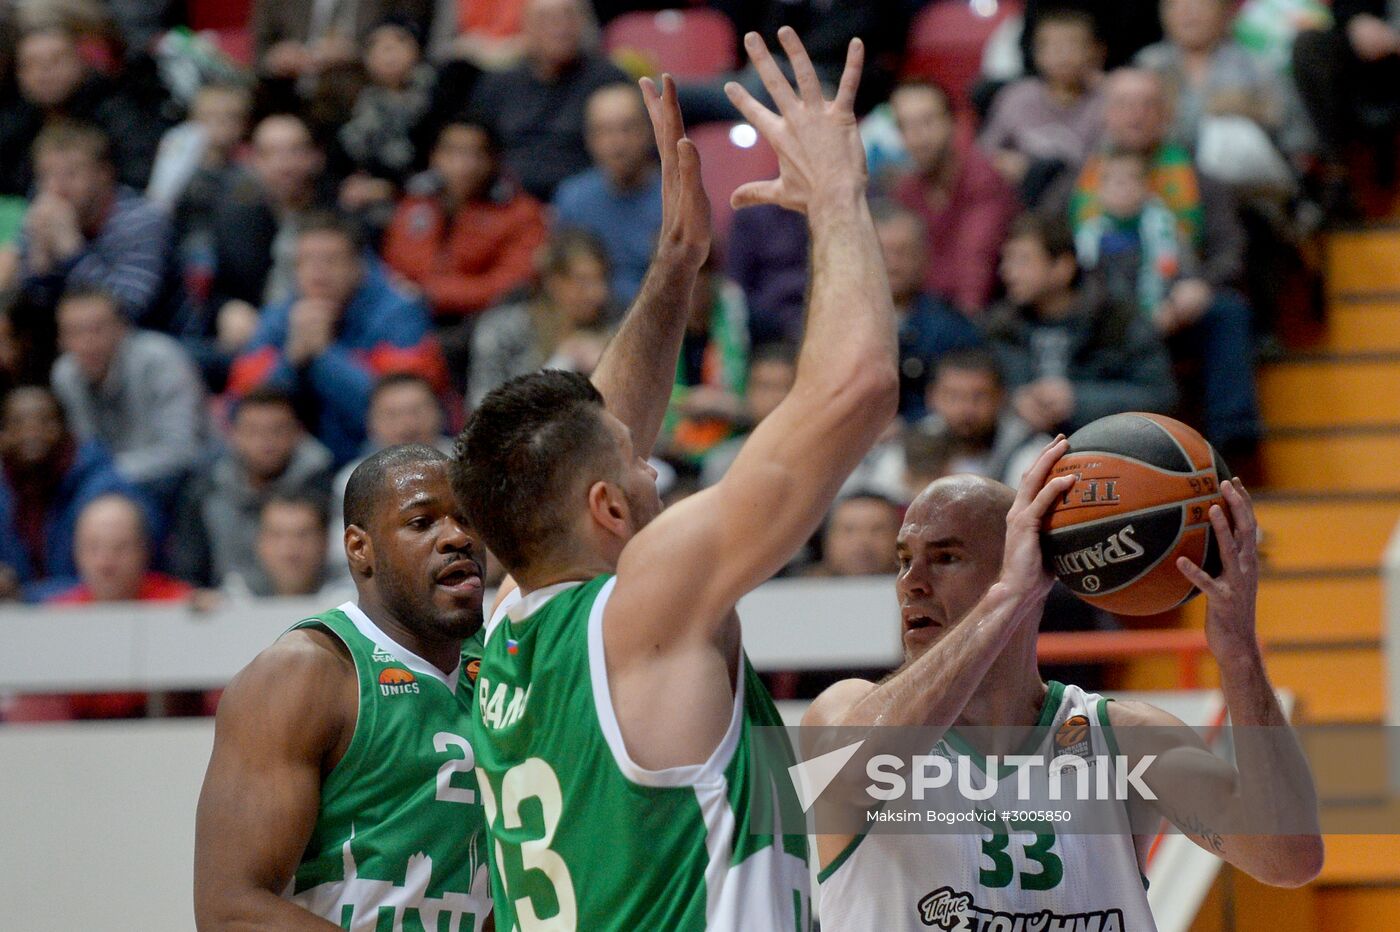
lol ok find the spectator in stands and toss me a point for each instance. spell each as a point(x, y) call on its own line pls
point(708, 398)
point(380, 139)
point(1349, 79)
point(291, 547)
point(134, 390)
point(564, 325)
point(49, 476)
point(1206, 319)
point(928, 326)
point(403, 408)
point(1212, 75)
point(536, 108)
point(767, 257)
point(772, 370)
point(488, 35)
point(255, 232)
point(194, 157)
point(859, 537)
point(1041, 126)
point(299, 39)
point(83, 229)
point(55, 84)
point(968, 412)
point(112, 549)
point(1070, 356)
point(466, 235)
point(345, 326)
point(269, 453)
point(957, 191)
point(619, 199)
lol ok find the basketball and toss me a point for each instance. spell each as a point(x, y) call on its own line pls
point(1142, 499)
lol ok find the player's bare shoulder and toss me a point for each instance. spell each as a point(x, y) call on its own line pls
point(303, 688)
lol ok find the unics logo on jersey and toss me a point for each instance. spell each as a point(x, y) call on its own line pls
point(956, 911)
point(396, 681)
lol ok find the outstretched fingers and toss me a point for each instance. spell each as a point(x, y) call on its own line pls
point(769, 72)
point(850, 76)
point(759, 116)
point(808, 84)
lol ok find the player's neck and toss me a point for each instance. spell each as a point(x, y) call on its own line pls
point(443, 653)
point(580, 569)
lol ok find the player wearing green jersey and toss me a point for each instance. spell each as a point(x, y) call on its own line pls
point(615, 707)
point(341, 792)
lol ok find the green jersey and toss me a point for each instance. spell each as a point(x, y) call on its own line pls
point(398, 844)
point(583, 837)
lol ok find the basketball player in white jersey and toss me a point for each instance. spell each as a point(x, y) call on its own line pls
point(972, 589)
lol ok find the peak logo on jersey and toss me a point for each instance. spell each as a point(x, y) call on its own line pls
point(1072, 738)
point(473, 668)
point(396, 681)
point(956, 911)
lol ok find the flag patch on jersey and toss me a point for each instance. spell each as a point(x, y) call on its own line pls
point(396, 681)
point(512, 647)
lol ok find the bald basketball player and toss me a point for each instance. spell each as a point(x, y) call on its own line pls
point(972, 588)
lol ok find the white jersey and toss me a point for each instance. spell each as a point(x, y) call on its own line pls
point(999, 875)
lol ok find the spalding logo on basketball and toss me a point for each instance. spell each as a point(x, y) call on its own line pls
point(1142, 499)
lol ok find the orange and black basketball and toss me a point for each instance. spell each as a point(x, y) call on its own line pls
point(1142, 499)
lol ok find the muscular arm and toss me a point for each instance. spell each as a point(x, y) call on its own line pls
point(1271, 787)
point(742, 530)
point(638, 368)
point(282, 722)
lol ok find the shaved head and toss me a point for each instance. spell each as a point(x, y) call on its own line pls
point(950, 550)
point(987, 498)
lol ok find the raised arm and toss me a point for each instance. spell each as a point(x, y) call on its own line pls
point(1261, 814)
point(685, 571)
point(276, 728)
point(638, 368)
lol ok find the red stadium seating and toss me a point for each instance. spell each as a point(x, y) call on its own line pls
point(725, 165)
point(946, 40)
point(697, 43)
point(219, 14)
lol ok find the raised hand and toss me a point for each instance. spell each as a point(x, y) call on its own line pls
point(685, 210)
point(1023, 567)
point(820, 155)
point(1230, 597)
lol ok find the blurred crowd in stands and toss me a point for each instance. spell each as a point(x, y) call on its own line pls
point(224, 281)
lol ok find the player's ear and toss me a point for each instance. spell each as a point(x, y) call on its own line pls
point(608, 507)
point(359, 550)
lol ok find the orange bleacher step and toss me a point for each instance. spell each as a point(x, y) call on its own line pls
point(1357, 909)
point(1332, 686)
point(1363, 326)
point(1321, 533)
point(1314, 608)
point(1362, 859)
point(1321, 460)
point(1364, 260)
point(1329, 391)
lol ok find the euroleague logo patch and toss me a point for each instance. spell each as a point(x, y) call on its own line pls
point(1072, 737)
point(396, 681)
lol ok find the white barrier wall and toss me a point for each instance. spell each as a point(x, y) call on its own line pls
point(788, 624)
point(97, 824)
